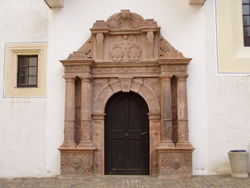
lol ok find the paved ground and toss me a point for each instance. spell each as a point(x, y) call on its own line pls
point(127, 182)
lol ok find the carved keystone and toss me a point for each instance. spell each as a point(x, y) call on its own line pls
point(125, 84)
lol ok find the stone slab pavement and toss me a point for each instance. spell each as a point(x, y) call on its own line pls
point(126, 182)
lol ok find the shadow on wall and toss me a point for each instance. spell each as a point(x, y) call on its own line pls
point(222, 168)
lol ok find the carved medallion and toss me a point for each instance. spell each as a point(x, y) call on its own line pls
point(176, 164)
point(125, 49)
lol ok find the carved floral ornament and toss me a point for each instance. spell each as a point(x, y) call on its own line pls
point(123, 42)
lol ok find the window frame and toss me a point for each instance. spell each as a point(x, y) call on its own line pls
point(12, 51)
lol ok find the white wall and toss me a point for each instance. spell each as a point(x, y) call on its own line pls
point(228, 105)
point(22, 120)
point(218, 104)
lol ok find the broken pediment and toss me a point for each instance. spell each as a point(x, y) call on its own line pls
point(126, 37)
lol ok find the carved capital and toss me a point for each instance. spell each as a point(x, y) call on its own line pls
point(181, 77)
point(98, 116)
point(166, 78)
point(85, 79)
point(100, 26)
point(154, 116)
point(69, 78)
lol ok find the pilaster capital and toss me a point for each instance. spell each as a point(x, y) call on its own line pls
point(69, 78)
point(166, 77)
point(98, 116)
point(100, 27)
point(181, 76)
point(153, 116)
point(85, 78)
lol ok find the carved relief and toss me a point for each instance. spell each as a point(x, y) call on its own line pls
point(175, 163)
point(85, 52)
point(125, 20)
point(125, 49)
point(77, 163)
point(125, 84)
point(167, 51)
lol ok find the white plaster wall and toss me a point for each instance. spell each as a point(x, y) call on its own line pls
point(228, 104)
point(182, 25)
point(22, 120)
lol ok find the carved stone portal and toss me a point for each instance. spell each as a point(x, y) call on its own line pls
point(126, 53)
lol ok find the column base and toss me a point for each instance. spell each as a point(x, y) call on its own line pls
point(77, 162)
point(169, 145)
point(184, 145)
point(68, 145)
point(85, 145)
point(175, 163)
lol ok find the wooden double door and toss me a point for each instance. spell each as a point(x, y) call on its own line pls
point(126, 135)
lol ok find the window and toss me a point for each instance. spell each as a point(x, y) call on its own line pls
point(25, 65)
point(27, 71)
point(246, 21)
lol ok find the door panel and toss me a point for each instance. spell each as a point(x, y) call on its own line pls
point(126, 135)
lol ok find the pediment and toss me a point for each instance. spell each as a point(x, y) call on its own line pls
point(126, 37)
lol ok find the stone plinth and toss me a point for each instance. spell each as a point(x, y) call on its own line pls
point(175, 163)
point(77, 162)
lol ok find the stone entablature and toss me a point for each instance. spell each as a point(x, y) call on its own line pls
point(126, 53)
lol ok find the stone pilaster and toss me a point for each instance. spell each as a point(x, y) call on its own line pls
point(150, 44)
point(99, 41)
point(69, 122)
point(182, 115)
point(166, 113)
point(86, 109)
point(99, 28)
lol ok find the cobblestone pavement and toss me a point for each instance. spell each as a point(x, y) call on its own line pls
point(126, 182)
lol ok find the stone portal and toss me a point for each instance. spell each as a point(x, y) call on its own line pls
point(125, 54)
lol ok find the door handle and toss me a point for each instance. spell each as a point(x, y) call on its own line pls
point(145, 133)
point(126, 134)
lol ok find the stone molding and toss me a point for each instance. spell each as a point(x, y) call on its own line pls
point(126, 53)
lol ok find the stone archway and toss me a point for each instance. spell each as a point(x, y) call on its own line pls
point(126, 53)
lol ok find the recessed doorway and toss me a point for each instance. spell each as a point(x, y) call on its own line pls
point(126, 135)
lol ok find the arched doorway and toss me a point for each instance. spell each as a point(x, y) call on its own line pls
point(126, 135)
point(126, 53)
